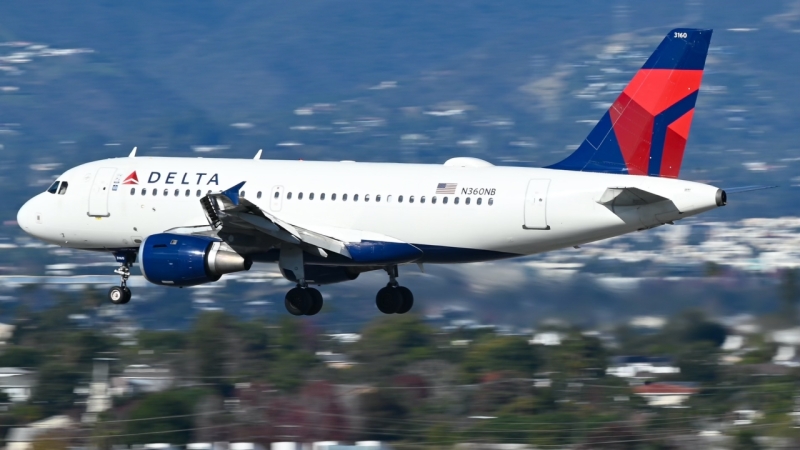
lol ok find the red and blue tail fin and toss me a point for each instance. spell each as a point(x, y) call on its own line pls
point(645, 130)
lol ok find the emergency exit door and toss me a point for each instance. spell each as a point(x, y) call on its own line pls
point(98, 195)
point(536, 205)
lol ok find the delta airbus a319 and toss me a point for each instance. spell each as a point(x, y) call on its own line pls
point(189, 221)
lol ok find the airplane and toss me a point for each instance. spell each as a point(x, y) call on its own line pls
point(189, 221)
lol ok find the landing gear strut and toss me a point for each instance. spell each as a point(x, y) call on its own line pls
point(394, 299)
point(120, 295)
point(303, 300)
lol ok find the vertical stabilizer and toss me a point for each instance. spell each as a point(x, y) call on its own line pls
point(646, 129)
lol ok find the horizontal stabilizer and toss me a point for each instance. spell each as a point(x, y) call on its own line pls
point(736, 190)
point(629, 196)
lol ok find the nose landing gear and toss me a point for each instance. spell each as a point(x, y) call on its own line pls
point(120, 295)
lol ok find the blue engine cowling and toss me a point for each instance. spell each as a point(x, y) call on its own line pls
point(323, 274)
point(180, 260)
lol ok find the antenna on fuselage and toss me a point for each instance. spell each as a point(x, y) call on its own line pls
point(258, 155)
point(133, 153)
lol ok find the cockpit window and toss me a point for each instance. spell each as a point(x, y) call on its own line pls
point(53, 188)
point(63, 189)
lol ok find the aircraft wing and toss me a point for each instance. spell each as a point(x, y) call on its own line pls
point(228, 213)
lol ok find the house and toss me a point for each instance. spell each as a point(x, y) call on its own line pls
point(666, 395)
point(16, 383)
point(22, 438)
point(641, 366)
point(142, 378)
point(335, 360)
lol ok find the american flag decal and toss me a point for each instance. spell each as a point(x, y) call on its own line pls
point(446, 188)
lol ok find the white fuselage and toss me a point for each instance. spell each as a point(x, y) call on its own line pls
point(100, 211)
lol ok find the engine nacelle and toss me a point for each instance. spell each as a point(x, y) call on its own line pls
point(323, 274)
point(182, 260)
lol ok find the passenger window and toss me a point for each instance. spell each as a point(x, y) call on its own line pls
point(155, 192)
point(433, 199)
point(198, 193)
point(479, 201)
point(53, 188)
point(466, 201)
point(399, 199)
point(422, 199)
point(188, 192)
point(300, 196)
point(388, 199)
point(241, 194)
point(444, 200)
point(355, 198)
point(344, 197)
point(366, 197)
point(144, 191)
point(166, 192)
point(491, 202)
point(322, 196)
point(133, 191)
point(63, 189)
point(455, 201)
point(411, 199)
point(177, 192)
point(311, 196)
point(333, 197)
point(378, 198)
point(277, 193)
point(258, 195)
point(289, 196)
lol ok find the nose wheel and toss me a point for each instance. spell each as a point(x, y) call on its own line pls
point(120, 295)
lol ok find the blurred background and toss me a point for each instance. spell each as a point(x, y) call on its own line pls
point(679, 337)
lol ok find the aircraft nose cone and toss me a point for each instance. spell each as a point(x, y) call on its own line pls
point(26, 217)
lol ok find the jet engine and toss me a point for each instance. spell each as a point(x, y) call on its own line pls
point(323, 274)
point(183, 260)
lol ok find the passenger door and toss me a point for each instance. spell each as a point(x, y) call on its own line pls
point(98, 195)
point(536, 205)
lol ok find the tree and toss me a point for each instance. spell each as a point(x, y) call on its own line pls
point(16, 356)
point(790, 295)
point(55, 390)
point(391, 343)
point(501, 353)
point(165, 416)
point(385, 415)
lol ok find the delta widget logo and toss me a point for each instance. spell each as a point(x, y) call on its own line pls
point(131, 179)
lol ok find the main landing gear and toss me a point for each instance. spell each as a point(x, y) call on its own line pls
point(120, 295)
point(303, 300)
point(394, 299)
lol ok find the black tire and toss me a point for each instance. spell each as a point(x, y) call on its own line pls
point(116, 295)
point(408, 300)
point(316, 302)
point(126, 290)
point(297, 301)
point(388, 300)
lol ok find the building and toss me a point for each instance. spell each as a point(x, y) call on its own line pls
point(666, 395)
point(641, 366)
point(22, 438)
point(17, 383)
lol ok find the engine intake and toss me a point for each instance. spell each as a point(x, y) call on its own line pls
point(182, 260)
